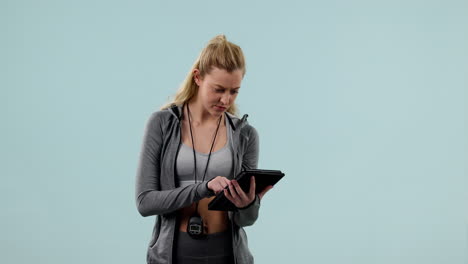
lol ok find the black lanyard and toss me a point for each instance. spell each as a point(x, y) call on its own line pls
point(193, 146)
point(195, 224)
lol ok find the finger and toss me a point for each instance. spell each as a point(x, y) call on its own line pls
point(233, 191)
point(261, 194)
point(226, 181)
point(240, 192)
point(227, 194)
point(223, 183)
point(220, 183)
point(218, 188)
point(229, 197)
point(252, 186)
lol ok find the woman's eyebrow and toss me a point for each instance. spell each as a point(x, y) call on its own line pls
point(225, 88)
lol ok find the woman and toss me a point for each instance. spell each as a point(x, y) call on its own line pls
point(192, 149)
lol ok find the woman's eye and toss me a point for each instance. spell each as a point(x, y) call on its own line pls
point(223, 90)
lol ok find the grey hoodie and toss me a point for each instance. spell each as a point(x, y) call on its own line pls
point(157, 193)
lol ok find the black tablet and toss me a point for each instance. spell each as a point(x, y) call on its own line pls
point(263, 178)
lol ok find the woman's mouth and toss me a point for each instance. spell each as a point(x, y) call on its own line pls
point(220, 108)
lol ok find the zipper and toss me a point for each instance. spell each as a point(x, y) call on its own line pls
point(236, 171)
point(175, 164)
point(232, 239)
point(232, 215)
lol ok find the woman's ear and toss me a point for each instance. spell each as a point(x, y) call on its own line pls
point(196, 76)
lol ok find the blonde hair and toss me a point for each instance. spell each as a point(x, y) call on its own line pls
point(218, 53)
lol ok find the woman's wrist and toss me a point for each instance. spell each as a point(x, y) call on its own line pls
point(209, 190)
point(250, 204)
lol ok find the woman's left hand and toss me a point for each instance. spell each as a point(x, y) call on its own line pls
point(238, 197)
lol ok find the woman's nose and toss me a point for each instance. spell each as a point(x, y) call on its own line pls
point(225, 98)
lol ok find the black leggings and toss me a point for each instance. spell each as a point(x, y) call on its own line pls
point(212, 249)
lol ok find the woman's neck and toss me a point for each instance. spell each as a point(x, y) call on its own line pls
point(199, 116)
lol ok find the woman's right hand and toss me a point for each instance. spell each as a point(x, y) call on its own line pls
point(218, 184)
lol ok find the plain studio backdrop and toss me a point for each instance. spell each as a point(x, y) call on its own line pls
point(361, 103)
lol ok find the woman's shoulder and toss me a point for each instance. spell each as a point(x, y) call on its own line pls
point(161, 116)
point(249, 131)
point(246, 129)
point(162, 113)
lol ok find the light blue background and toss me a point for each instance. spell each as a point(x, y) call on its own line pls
point(361, 103)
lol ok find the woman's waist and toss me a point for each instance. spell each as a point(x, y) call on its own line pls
point(213, 221)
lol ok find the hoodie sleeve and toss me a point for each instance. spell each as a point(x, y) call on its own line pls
point(150, 200)
point(248, 215)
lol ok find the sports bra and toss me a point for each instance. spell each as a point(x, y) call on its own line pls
point(220, 163)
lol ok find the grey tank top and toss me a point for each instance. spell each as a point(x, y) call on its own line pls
point(220, 163)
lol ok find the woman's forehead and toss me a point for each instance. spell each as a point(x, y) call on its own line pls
point(223, 78)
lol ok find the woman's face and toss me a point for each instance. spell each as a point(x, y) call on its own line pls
point(218, 90)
